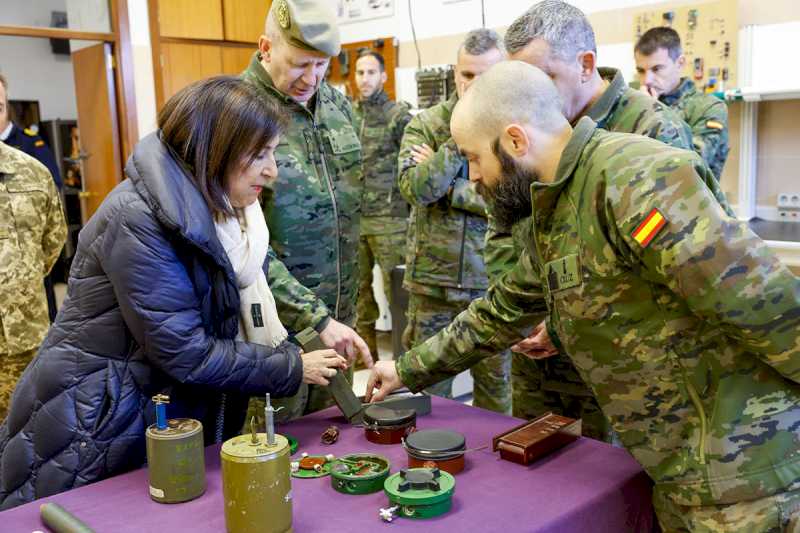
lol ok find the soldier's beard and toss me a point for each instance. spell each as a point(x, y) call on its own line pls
point(511, 197)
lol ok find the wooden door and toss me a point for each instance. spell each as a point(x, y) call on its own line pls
point(186, 63)
point(244, 19)
point(190, 19)
point(97, 123)
point(236, 58)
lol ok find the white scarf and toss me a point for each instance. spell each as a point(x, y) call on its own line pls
point(246, 245)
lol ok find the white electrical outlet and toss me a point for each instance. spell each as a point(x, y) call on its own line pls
point(789, 205)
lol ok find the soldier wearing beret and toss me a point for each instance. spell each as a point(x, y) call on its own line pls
point(314, 207)
point(659, 62)
point(679, 318)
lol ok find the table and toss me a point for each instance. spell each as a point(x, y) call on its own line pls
point(588, 486)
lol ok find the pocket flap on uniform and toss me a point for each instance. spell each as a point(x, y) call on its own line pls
point(343, 141)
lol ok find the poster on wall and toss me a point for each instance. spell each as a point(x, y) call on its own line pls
point(359, 10)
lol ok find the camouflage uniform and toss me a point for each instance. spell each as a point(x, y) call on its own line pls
point(384, 217)
point(690, 342)
point(313, 212)
point(444, 266)
point(707, 115)
point(553, 384)
point(32, 232)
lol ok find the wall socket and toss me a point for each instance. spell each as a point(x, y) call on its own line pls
point(789, 205)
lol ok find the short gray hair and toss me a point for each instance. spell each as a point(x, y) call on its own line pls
point(480, 41)
point(562, 26)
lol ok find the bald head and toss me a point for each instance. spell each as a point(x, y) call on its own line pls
point(511, 92)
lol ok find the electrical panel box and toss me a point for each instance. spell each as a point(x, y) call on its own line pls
point(710, 37)
point(434, 86)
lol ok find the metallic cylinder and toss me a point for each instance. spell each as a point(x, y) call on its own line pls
point(59, 520)
point(256, 484)
point(176, 461)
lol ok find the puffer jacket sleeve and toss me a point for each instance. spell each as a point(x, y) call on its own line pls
point(160, 307)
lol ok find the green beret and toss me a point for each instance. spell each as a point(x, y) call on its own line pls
point(308, 24)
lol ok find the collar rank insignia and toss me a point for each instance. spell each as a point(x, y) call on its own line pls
point(649, 228)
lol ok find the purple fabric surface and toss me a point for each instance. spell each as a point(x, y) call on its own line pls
point(586, 486)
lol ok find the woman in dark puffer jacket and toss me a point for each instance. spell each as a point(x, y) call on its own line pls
point(153, 305)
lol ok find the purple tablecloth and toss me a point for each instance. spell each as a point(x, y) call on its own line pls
point(586, 486)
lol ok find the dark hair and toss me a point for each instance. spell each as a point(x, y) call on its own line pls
point(657, 38)
point(212, 125)
point(378, 57)
point(478, 42)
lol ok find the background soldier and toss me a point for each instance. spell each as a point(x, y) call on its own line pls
point(314, 206)
point(32, 144)
point(659, 62)
point(445, 267)
point(681, 319)
point(24, 139)
point(384, 212)
point(32, 233)
point(559, 39)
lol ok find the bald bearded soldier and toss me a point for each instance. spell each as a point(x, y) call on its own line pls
point(681, 320)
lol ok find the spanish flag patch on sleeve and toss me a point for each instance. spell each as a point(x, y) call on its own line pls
point(649, 228)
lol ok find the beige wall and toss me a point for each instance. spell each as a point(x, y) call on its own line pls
point(778, 124)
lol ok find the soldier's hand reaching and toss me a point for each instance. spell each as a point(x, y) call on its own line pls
point(346, 341)
point(383, 377)
point(421, 153)
point(538, 344)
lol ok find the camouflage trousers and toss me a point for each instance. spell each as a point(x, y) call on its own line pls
point(553, 384)
point(388, 251)
point(11, 368)
point(427, 315)
point(779, 513)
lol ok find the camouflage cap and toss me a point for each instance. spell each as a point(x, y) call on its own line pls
point(308, 24)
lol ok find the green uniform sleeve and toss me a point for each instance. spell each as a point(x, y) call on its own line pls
point(55, 231)
point(430, 181)
point(669, 128)
point(297, 306)
point(464, 195)
point(722, 271)
point(499, 253)
point(511, 307)
point(710, 135)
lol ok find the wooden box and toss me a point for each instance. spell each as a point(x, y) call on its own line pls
point(532, 440)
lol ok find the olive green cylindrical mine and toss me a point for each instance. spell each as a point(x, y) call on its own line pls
point(256, 484)
point(176, 461)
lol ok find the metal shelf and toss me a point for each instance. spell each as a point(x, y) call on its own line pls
point(750, 94)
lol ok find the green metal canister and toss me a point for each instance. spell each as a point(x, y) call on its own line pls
point(256, 484)
point(176, 461)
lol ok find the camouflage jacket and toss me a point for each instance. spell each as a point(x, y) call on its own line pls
point(619, 109)
point(313, 209)
point(32, 232)
point(688, 332)
point(448, 217)
point(380, 123)
point(708, 118)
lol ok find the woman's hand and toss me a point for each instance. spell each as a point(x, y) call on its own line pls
point(320, 365)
